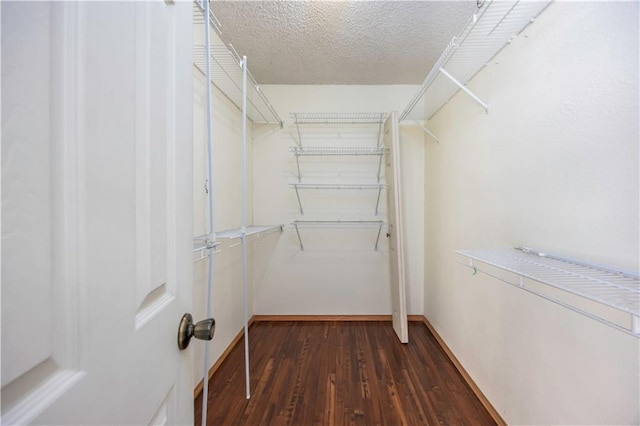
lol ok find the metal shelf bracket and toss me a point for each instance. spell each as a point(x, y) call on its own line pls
point(429, 132)
point(465, 89)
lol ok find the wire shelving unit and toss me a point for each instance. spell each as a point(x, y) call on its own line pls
point(297, 224)
point(344, 186)
point(488, 31)
point(376, 119)
point(611, 288)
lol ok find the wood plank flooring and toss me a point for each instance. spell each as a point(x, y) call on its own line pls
point(340, 373)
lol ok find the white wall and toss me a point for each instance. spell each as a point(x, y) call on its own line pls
point(338, 272)
point(227, 302)
point(554, 165)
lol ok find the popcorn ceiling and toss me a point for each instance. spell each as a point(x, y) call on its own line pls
point(327, 42)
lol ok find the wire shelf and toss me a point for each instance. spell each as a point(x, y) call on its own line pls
point(339, 118)
point(338, 224)
point(250, 231)
point(338, 186)
point(615, 289)
point(226, 73)
point(487, 32)
point(346, 186)
point(198, 16)
point(336, 151)
point(202, 246)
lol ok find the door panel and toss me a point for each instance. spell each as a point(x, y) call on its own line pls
point(40, 346)
point(96, 212)
point(394, 219)
point(155, 150)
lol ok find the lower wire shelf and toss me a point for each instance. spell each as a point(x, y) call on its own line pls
point(204, 245)
point(257, 231)
point(297, 224)
point(611, 288)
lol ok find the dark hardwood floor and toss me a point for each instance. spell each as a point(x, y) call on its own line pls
point(339, 373)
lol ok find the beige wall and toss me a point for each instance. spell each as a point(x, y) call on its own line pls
point(339, 272)
point(554, 165)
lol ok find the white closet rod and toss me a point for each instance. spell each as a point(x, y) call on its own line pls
point(243, 227)
point(205, 380)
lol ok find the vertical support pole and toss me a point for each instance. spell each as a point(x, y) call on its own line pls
point(298, 233)
point(243, 228)
point(295, 119)
point(208, 302)
point(379, 166)
point(299, 202)
point(465, 89)
point(378, 237)
point(380, 130)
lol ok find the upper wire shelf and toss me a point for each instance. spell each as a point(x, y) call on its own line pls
point(338, 118)
point(198, 16)
point(616, 289)
point(226, 74)
point(488, 31)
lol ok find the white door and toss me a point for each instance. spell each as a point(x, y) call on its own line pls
point(394, 219)
point(96, 212)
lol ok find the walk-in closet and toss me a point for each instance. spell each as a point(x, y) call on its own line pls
point(320, 212)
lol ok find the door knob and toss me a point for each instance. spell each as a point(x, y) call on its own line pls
point(203, 330)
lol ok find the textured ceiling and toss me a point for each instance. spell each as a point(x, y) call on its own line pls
point(336, 42)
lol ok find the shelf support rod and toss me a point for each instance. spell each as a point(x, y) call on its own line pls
point(380, 165)
point(295, 225)
point(298, 197)
point(465, 89)
point(295, 119)
point(429, 132)
point(378, 201)
point(298, 166)
point(379, 131)
point(378, 237)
